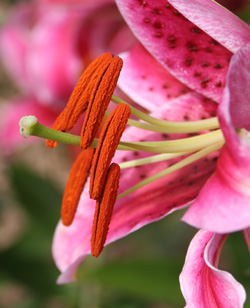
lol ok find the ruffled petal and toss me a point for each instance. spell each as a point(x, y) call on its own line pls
point(202, 284)
point(149, 203)
point(223, 205)
point(187, 52)
point(225, 27)
point(146, 81)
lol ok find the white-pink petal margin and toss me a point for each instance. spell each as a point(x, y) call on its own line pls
point(203, 285)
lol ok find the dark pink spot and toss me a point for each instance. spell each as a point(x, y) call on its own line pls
point(204, 82)
point(151, 89)
point(158, 25)
point(165, 86)
point(197, 74)
point(171, 38)
point(191, 46)
point(142, 176)
point(158, 34)
point(195, 30)
point(165, 136)
point(189, 61)
point(157, 11)
point(218, 84)
point(172, 46)
point(213, 42)
point(208, 49)
point(205, 64)
point(146, 20)
point(168, 6)
point(177, 13)
point(218, 66)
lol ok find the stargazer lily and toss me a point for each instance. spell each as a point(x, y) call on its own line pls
point(190, 62)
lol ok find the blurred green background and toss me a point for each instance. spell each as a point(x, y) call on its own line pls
point(139, 271)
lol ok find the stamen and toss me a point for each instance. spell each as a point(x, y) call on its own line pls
point(79, 98)
point(106, 148)
point(180, 145)
point(186, 161)
point(150, 160)
point(104, 209)
point(99, 101)
point(75, 184)
point(172, 127)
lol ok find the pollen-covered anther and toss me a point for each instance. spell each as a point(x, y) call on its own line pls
point(80, 96)
point(75, 184)
point(107, 145)
point(104, 210)
point(99, 101)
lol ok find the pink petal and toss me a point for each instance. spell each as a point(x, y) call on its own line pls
point(223, 205)
point(11, 113)
point(187, 52)
point(14, 38)
point(225, 27)
point(146, 81)
point(147, 204)
point(202, 284)
point(54, 71)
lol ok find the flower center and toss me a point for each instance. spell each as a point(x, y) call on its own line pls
point(92, 94)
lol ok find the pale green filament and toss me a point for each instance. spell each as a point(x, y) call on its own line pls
point(150, 160)
point(173, 127)
point(181, 145)
point(175, 167)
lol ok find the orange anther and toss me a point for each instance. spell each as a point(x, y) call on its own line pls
point(104, 210)
point(106, 148)
point(80, 96)
point(99, 100)
point(75, 184)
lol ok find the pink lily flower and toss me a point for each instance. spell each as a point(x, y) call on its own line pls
point(223, 205)
point(202, 283)
point(197, 55)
